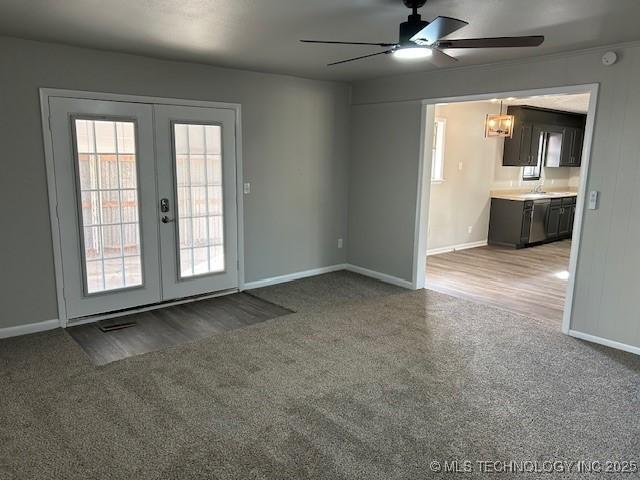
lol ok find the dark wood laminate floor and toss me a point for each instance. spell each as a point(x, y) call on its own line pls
point(175, 325)
point(527, 281)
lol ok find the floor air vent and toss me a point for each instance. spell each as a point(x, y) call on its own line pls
point(115, 324)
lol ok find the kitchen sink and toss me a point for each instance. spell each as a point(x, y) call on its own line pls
point(538, 195)
point(534, 196)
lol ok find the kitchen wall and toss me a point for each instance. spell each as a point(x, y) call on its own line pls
point(461, 201)
point(472, 169)
point(607, 282)
point(295, 134)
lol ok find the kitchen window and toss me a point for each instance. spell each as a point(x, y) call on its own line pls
point(437, 153)
point(531, 173)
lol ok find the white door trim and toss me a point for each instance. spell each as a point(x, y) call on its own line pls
point(46, 93)
point(424, 183)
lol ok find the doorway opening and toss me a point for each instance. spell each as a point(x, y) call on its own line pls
point(501, 212)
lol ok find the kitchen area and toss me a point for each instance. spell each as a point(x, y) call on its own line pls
point(502, 210)
point(526, 219)
point(541, 138)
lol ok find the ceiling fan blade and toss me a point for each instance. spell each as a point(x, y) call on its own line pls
point(496, 42)
point(349, 43)
point(441, 59)
point(439, 28)
point(359, 58)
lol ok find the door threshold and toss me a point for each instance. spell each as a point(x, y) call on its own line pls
point(145, 308)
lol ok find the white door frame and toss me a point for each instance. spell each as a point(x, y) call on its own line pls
point(424, 184)
point(46, 93)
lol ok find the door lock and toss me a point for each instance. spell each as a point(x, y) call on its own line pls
point(164, 205)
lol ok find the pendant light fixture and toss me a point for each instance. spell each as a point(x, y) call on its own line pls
point(499, 125)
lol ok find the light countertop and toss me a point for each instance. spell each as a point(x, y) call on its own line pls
point(528, 195)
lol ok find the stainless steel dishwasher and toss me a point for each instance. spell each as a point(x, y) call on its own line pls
point(538, 230)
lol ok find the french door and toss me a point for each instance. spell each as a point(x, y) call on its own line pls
point(146, 202)
point(197, 186)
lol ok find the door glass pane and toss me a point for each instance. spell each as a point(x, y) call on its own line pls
point(107, 174)
point(198, 162)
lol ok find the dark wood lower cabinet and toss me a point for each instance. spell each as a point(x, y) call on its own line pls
point(509, 222)
point(513, 223)
point(565, 222)
point(554, 217)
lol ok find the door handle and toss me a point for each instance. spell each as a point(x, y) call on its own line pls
point(166, 219)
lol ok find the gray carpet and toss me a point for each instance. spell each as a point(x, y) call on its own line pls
point(371, 383)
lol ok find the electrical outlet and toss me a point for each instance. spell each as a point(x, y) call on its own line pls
point(340, 243)
point(469, 229)
point(460, 166)
point(247, 188)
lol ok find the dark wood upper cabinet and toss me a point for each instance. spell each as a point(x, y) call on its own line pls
point(572, 147)
point(517, 150)
point(540, 131)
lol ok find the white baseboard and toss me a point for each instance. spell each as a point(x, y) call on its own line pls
point(29, 328)
point(453, 248)
point(400, 282)
point(605, 342)
point(292, 276)
point(332, 268)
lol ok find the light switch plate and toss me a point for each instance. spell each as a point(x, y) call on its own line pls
point(593, 199)
point(247, 188)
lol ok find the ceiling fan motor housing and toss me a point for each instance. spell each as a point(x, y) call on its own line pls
point(409, 28)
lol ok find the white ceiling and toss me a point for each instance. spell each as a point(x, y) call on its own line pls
point(576, 103)
point(263, 34)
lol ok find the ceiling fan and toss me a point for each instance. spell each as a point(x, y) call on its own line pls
point(421, 39)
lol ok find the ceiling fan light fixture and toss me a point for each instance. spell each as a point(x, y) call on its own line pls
point(420, 39)
point(412, 53)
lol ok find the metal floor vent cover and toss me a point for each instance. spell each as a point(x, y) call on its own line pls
point(115, 324)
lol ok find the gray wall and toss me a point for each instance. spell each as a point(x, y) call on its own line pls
point(608, 279)
point(381, 200)
point(295, 134)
